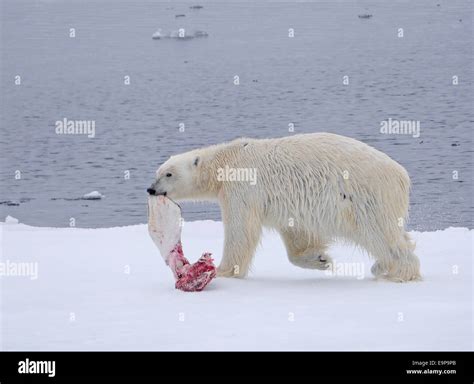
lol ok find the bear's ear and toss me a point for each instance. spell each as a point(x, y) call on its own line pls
point(196, 161)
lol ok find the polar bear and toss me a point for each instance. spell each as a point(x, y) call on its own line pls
point(311, 188)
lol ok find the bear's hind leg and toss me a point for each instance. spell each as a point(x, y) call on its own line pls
point(405, 265)
point(306, 253)
point(395, 260)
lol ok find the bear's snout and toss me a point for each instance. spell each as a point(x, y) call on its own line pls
point(153, 192)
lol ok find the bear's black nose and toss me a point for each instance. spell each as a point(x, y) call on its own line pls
point(151, 191)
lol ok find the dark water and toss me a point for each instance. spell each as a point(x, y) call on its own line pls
point(282, 80)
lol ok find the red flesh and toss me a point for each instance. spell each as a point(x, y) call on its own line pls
point(191, 277)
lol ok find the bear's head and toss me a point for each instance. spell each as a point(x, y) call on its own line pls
point(183, 177)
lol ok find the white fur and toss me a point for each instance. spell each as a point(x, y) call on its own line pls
point(301, 181)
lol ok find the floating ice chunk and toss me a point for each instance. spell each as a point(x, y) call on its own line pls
point(11, 220)
point(178, 34)
point(94, 195)
point(201, 34)
point(157, 35)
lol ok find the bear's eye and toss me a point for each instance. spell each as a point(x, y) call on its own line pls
point(169, 175)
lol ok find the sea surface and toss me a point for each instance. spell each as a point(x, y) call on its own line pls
point(96, 61)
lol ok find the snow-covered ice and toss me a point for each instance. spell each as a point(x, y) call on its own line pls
point(109, 289)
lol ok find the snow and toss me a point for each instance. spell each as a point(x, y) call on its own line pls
point(94, 195)
point(109, 289)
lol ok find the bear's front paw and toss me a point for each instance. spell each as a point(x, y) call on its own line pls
point(225, 272)
point(318, 261)
point(322, 262)
point(235, 271)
